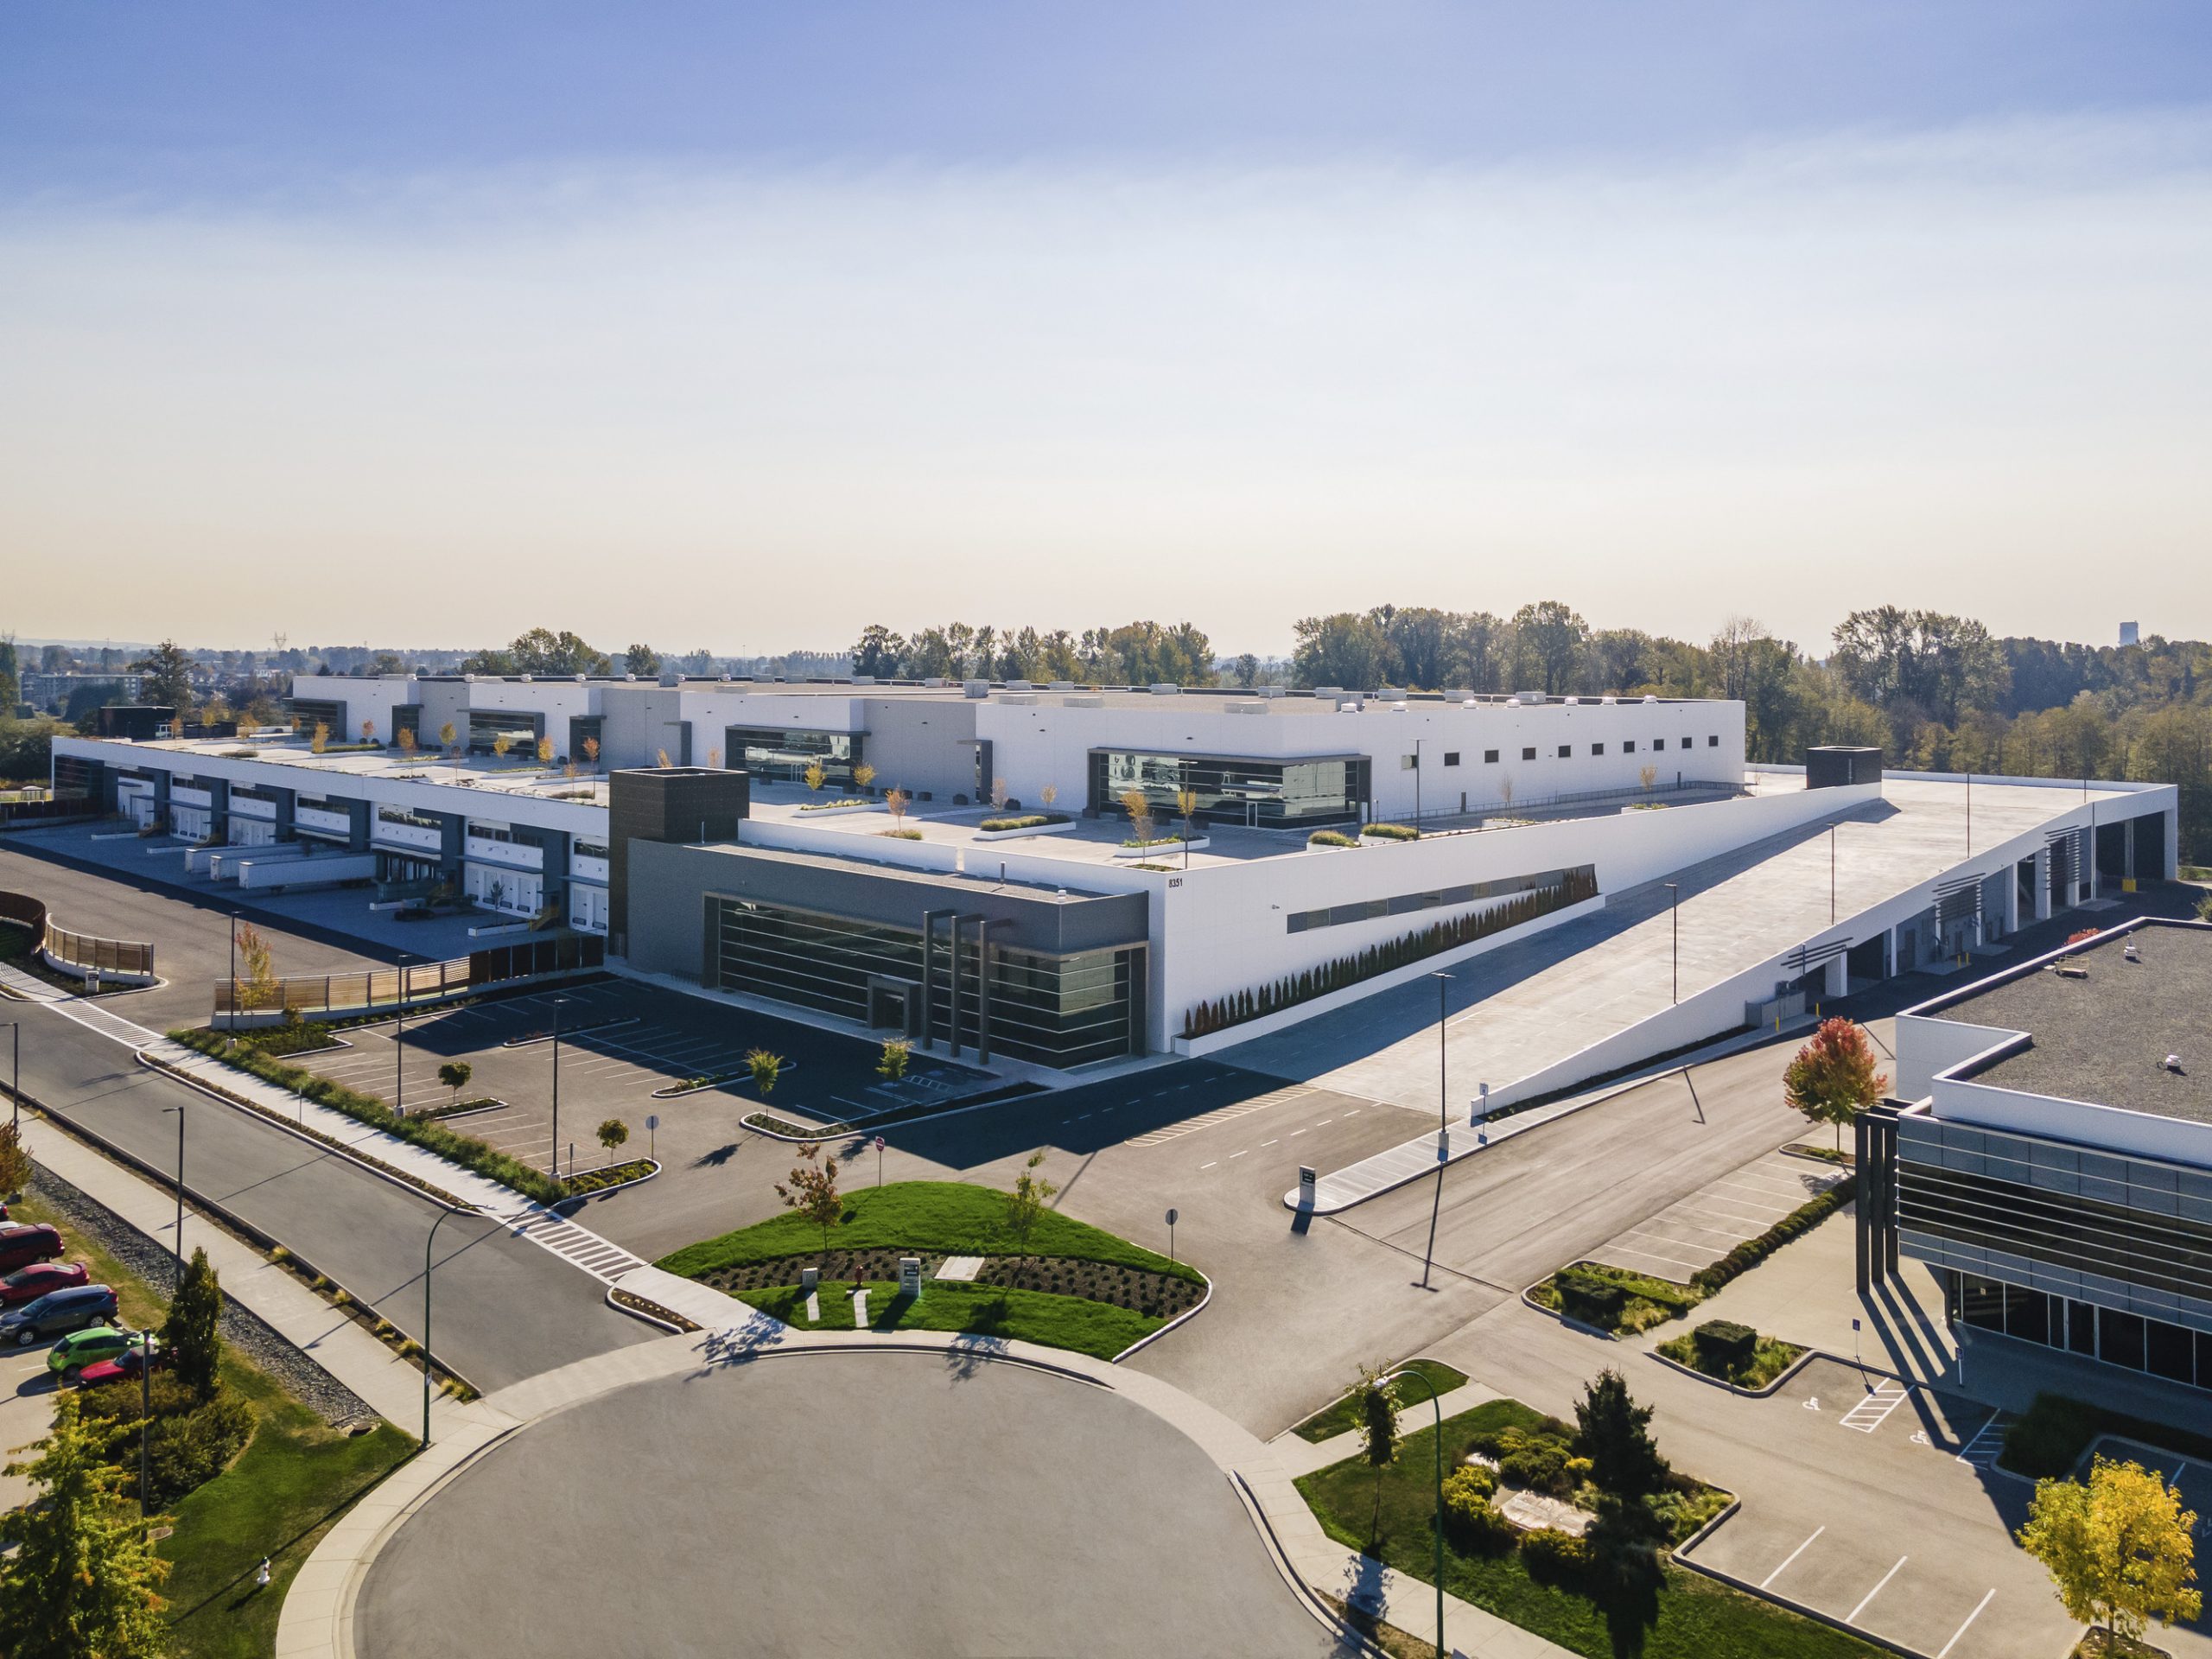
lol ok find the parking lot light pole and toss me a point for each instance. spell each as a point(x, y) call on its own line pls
point(1674, 910)
point(1435, 1400)
point(1443, 1120)
point(15, 1082)
point(178, 1110)
point(231, 1002)
point(428, 1244)
point(399, 1044)
point(559, 1002)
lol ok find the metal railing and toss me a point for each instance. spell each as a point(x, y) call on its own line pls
point(421, 982)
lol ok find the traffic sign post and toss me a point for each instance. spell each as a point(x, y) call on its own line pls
point(1171, 1234)
point(653, 1123)
point(878, 1161)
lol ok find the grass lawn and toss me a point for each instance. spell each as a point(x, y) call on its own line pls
point(953, 1216)
point(1690, 1617)
point(1099, 1329)
point(1343, 1415)
point(294, 1478)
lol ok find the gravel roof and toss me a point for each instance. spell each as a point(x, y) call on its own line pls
point(2104, 1038)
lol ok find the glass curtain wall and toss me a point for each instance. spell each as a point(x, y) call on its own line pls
point(1266, 794)
point(1057, 1011)
point(784, 756)
point(2128, 1340)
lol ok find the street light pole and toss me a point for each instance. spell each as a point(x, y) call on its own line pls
point(1435, 1400)
point(15, 1084)
point(178, 1110)
point(232, 1001)
point(1443, 1120)
point(427, 1245)
point(1831, 875)
point(1674, 910)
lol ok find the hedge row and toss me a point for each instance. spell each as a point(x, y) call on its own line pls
point(1344, 971)
point(469, 1153)
point(1752, 1251)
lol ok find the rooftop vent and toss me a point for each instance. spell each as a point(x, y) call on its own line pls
point(1020, 699)
point(579, 679)
point(1243, 707)
point(975, 688)
point(629, 677)
point(1084, 700)
point(2129, 952)
point(1328, 690)
point(1513, 702)
point(526, 679)
point(1391, 694)
point(2173, 1063)
point(1650, 696)
point(934, 679)
point(1063, 685)
point(1167, 689)
point(1269, 691)
point(1019, 685)
point(863, 679)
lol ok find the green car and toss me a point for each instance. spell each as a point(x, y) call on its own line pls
point(88, 1347)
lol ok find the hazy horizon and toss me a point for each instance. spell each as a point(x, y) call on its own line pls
point(338, 328)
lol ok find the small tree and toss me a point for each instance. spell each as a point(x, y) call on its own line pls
point(1186, 806)
point(893, 1065)
point(14, 1162)
point(863, 775)
point(1378, 1432)
point(321, 740)
point(407, 740)
point(1833, 1076)
point(814, 774)
point(216, 710)
point(896, 802)
point(660, 758)
point(1615, 1434)
point(1000, 793)
point(1140, 810)
point(1049, 794)
point(612, 1134)
point(2121, 1551)
point(1505, 791)
point(545, 751)
point(1647, 775)
point(1025, 1203)
point(714, 760)
point(190, 1333)
point(591, 752)
point(765, 1068)
point(455, 1074)
point(258, 988)
point(448, 739)
point(501, 742)
point(84, 1579)
point(811, 1190)
point(368, 731)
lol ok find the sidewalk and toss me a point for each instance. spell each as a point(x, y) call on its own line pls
point(391, 1386)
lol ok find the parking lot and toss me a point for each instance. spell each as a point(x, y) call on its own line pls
point(1908, 1534)
point(1696, 1231)
point(27, 1396)
point(621, 1042)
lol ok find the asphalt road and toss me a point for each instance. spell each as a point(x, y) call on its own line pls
point(505, 1308)
point(871, 1503)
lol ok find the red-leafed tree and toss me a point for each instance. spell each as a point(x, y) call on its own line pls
point(1834, 1075)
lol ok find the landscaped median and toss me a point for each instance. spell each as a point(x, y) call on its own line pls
point(1069, 1285)
point(1593, 1594)
point(1622, 1302)
point(470, 1153)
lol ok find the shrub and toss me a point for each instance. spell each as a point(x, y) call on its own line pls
point(1555, 1557)
point(901, 835)
point(1392, 832)
point(1330, 838)
point(1535, 1461)
point(1723, 1345)
point(1471, 1522)
point(1478, 1479)
point(1027, 821)
point(1575, 886)
point(189, 1450)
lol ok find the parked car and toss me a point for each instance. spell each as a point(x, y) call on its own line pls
point(87, 1347)
point(127, 1365)
point(24, 1243)
point(57, 1313)
point(28, 1284)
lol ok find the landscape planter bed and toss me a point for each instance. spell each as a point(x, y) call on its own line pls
point(594, 1182)
point(467, 1108)
point(717, 1080)
point(1157, 1295)
point(1163, 849)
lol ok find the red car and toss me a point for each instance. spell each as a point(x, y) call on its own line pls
point(124, 1367)
point(27, 1284)
point(22, 1243)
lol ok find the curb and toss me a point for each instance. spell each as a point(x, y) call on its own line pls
point(1187, 1314)
point(613, 1186)
point(1803, 1359)
point(1527, 1301)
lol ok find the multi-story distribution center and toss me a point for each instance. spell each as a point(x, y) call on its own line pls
point(2053, 1160)
point(1065, 874)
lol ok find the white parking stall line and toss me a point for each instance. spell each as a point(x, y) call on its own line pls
point(1791, 1557)
point(1870, 1412)
point(1944, 1652)
point(1209, 1165)
point(1852, 1617)
point(1982, 1451)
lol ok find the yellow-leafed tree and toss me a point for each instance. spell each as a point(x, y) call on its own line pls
point(2120, 1549)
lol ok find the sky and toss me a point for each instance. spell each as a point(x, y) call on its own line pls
point(742, 327)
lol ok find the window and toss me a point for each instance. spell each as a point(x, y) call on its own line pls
point(413, 820)
point(1686, 742)
point(1712, 741)
point(1451, 757)
point(1409, 763)
point(1528, 755)
point(1628, 747)
point(1597, 748)
point(582, 848)
point(1567, 751)
point(1489, 757)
